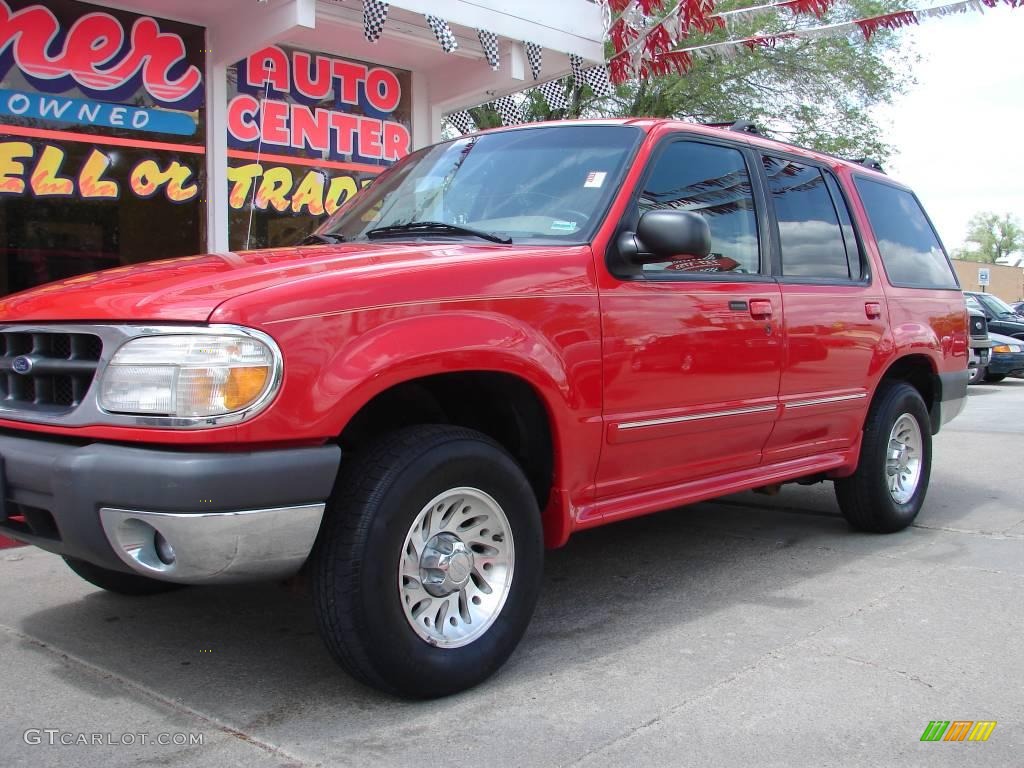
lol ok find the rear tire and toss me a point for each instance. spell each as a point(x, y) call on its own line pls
point(886, 492)
point(428, 565)
point(118, 582)
point(993, 378)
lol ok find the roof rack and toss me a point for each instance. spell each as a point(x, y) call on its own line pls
point(742, 126)
point(746, 126)
point(867, 162)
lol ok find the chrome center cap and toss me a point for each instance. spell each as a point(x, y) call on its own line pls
point(445, 565)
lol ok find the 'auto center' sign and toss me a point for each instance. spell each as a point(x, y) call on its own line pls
point(332, 107)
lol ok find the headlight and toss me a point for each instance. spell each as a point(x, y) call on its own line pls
point(190, 375)
point(1007, 348)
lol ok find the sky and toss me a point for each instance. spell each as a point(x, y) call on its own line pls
point(958, 132)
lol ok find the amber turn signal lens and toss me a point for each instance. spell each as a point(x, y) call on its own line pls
point(243, 386)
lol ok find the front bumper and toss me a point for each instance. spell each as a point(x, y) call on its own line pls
point(226, 516)
point(1006, 363)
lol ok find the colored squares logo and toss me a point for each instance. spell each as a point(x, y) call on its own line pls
point(958, 730)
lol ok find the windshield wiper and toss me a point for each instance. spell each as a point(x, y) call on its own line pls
point(436, 227)
point(321, 238)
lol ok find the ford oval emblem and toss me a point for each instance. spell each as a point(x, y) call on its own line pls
point(22, 364)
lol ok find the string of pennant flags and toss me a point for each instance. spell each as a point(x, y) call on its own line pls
point(512, 110)
point(644, 45)
point(375, 16)
point(683, 59)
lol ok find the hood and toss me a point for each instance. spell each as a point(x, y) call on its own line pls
point(190, 288)
point(998, 338)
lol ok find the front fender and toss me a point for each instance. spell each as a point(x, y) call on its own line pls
point(413, 347)
point(337, 364)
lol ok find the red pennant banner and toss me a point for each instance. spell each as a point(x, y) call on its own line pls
point(888, 21)
point(807, 7)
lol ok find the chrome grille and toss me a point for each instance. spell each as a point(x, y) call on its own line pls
point(46, 371)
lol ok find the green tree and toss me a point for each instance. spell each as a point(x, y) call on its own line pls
point(993, 236)
point(815, 92)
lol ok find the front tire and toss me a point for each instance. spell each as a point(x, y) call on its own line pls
point(993, 378)
point(977, 374)
point(428, 566)
point(120, 583)
point(886, 492)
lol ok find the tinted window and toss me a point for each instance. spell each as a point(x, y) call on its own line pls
point(813, 243)
point(910, 250)
point(712, 181)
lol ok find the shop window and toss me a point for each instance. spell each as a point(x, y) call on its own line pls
point(306, 131)
point(97, 172)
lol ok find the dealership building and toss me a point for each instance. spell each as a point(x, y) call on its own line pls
point(147, 129)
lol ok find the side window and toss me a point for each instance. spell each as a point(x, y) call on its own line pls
point(911, 252)
point(811, 236)
point(713, 181)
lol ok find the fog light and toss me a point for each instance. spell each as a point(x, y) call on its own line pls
point(164, 550)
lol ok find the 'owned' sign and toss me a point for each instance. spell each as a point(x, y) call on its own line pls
point(61, 63)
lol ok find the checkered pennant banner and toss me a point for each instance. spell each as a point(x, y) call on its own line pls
point(508, 110)
point(576, 62)
point(535, 55)
point(375, 13)
point(597, 79)
point(462, 121)
point(443, 33)
point(553, 92)
point(489, 42)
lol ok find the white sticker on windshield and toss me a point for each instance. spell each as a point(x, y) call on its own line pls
point(595, 179)
point(563, 226)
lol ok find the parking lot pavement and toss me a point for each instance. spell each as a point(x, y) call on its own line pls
point(749, 631)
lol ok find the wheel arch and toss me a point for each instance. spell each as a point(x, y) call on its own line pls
point(502, 379)
point(921, 372)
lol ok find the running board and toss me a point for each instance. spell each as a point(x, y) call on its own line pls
point(692, 491)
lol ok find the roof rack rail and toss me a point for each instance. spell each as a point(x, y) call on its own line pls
point(868, 162)
point(742, 126)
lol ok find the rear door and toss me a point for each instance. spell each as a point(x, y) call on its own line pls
point(834, 311)
point(692, 347)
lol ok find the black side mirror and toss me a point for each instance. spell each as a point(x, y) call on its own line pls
point(663, 235)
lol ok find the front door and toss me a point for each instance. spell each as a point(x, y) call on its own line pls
point(692, 347)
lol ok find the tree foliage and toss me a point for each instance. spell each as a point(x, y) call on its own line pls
point(993, 236)
point(815, 92)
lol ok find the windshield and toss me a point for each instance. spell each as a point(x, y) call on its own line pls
point(549, 184)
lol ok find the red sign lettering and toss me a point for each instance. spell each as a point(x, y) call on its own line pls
point(90, 52)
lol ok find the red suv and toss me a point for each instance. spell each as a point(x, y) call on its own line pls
point(504, 339)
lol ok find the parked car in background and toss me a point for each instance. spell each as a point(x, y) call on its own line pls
point(981, 345)
point(1002, 318)
point(1018, 307)
point(1006, 359)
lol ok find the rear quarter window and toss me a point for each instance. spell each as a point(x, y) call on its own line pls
point(911, 252)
